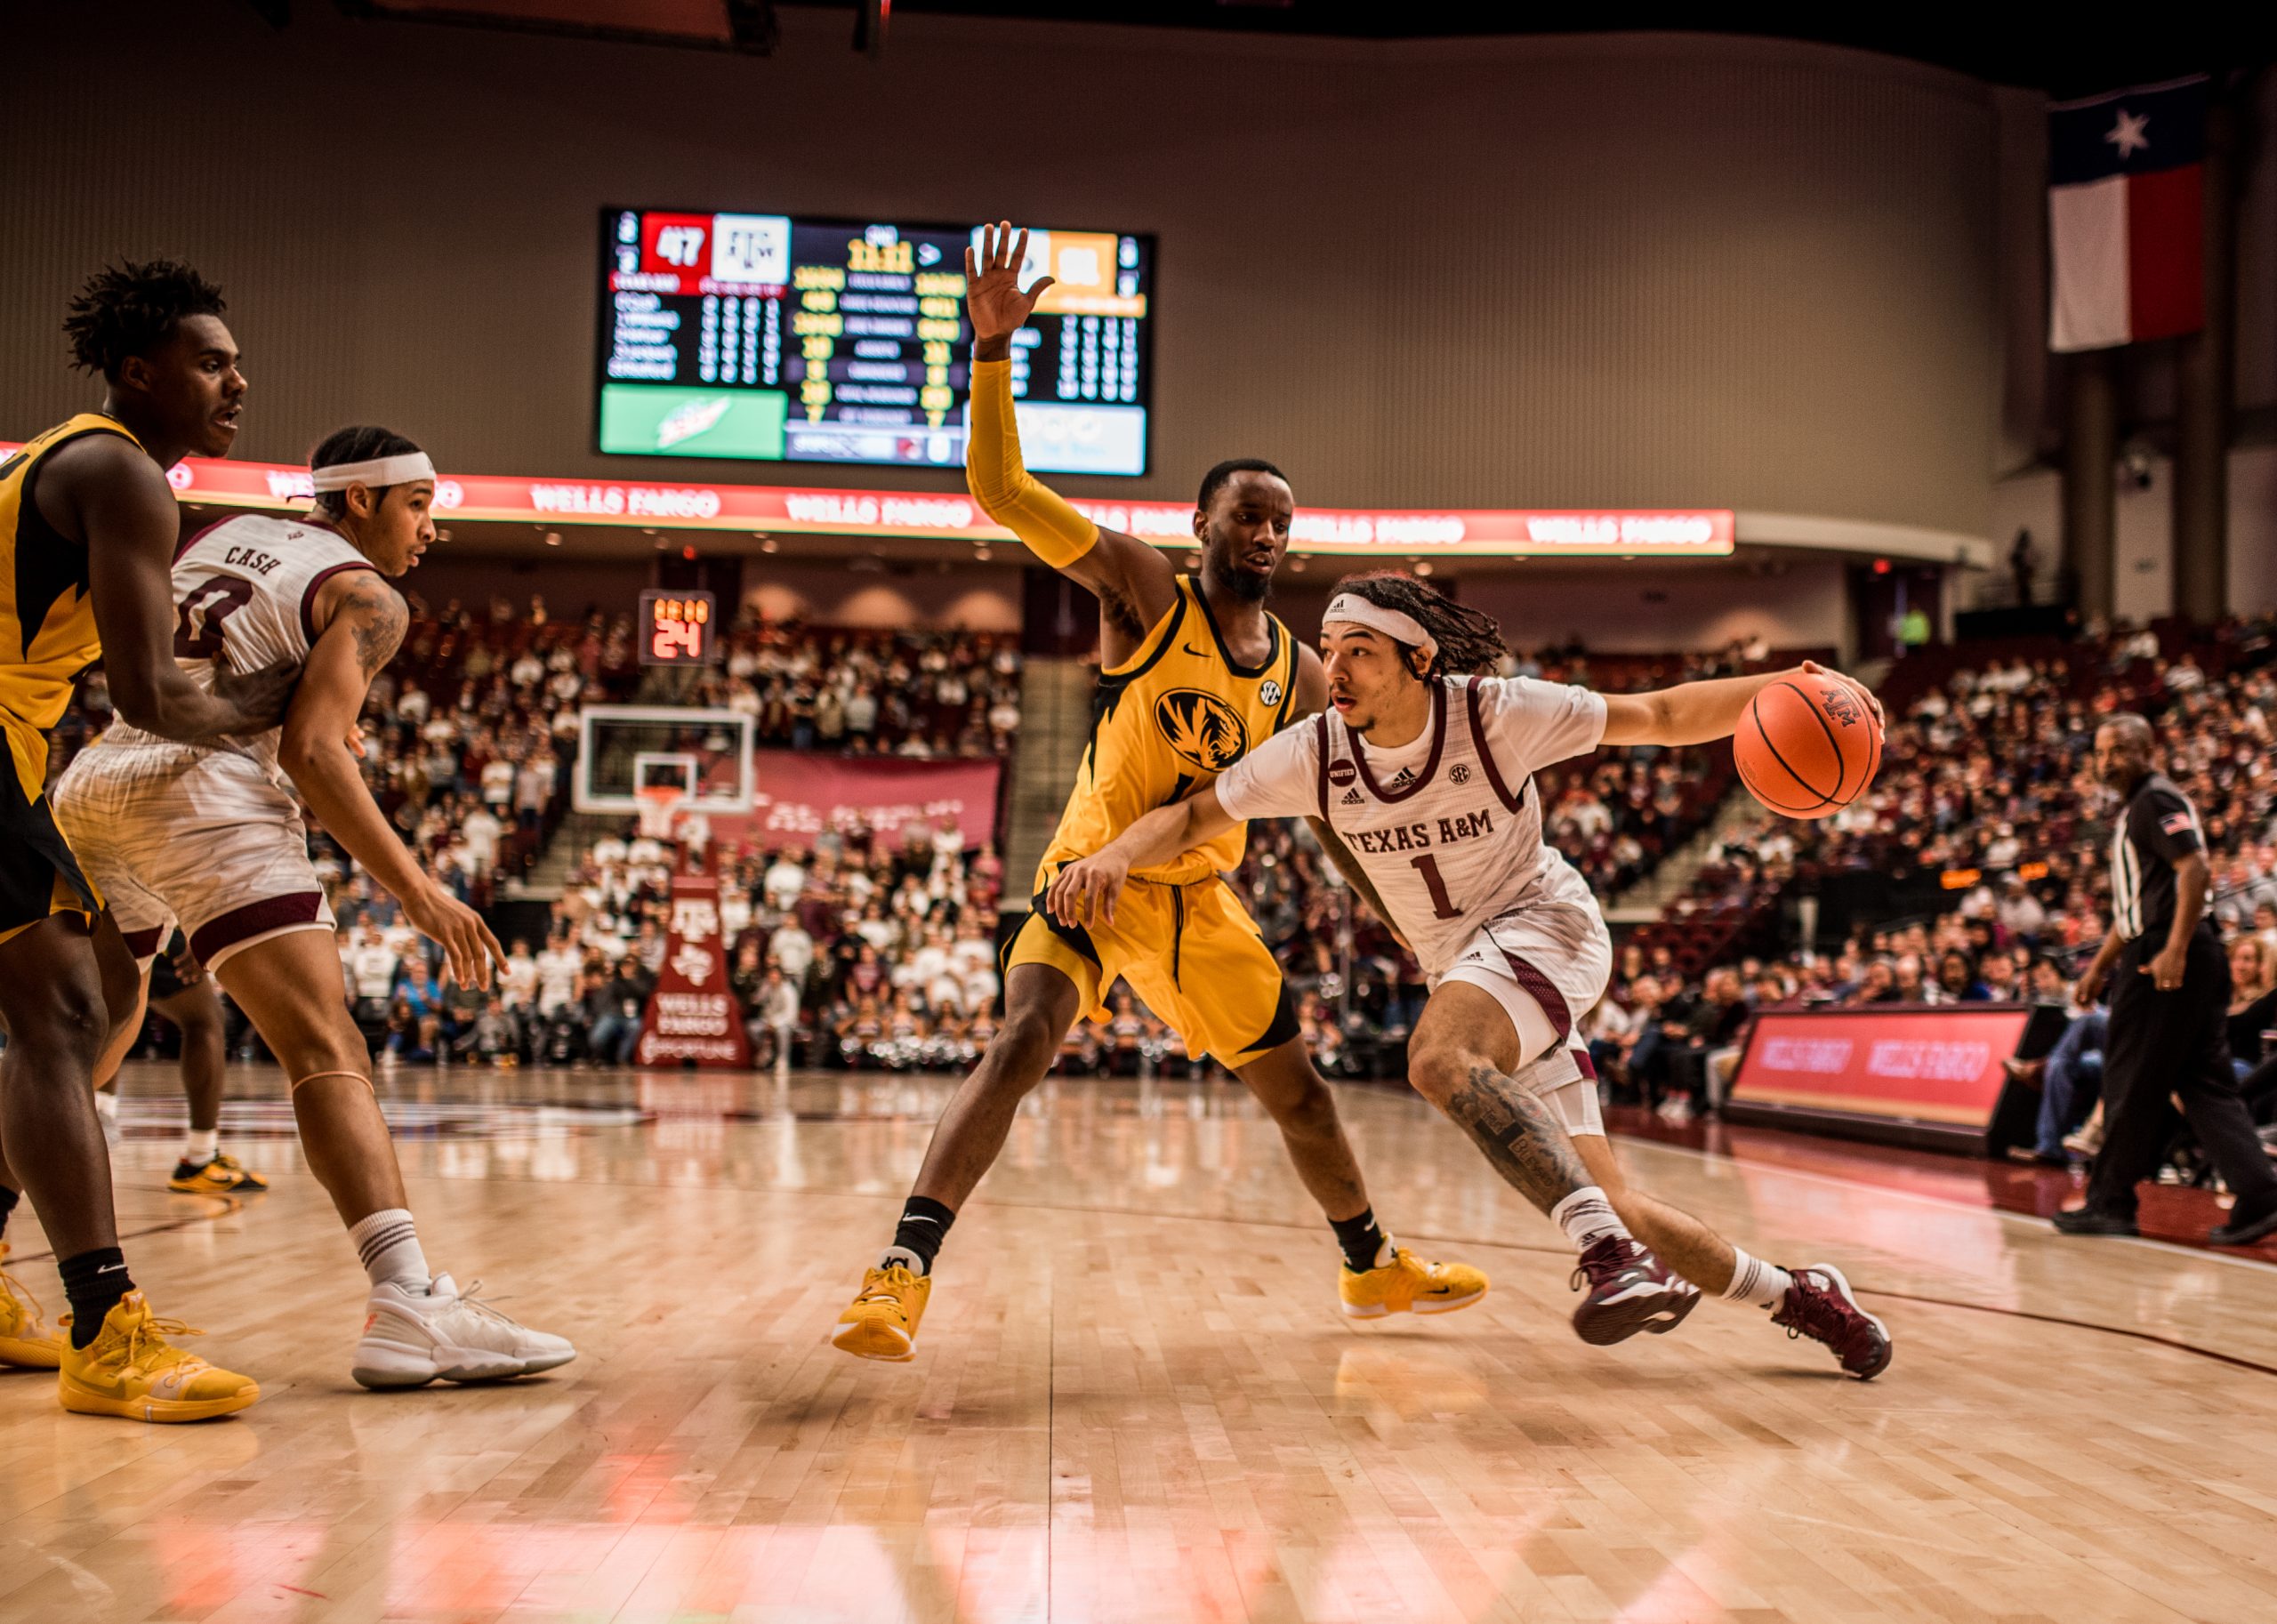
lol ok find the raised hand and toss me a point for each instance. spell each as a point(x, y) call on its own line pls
point(993, 300)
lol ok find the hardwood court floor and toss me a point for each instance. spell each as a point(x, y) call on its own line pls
point(1134, 1398)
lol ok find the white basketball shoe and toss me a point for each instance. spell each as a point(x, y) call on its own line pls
point(410, 1340)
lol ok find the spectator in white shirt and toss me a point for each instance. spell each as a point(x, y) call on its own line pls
point(480, 829)
point(533, 788)
point(793, 949)
point(557, 975)
point(373, 967)
point(784, 881)
point(517, 979)
point(2020, 912)
point(971, 951)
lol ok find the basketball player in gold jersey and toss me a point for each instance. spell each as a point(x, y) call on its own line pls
point(88, 525)
point(1194, 673)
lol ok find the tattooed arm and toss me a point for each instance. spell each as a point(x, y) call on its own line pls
point(363, 619)
point(1521, 1135)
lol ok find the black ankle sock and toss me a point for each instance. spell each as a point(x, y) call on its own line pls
point(923, 1224)
point(1362, 1239)
point(8, 1200)
point(94, 1282)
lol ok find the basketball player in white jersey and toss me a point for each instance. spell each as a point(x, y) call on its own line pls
point(1427, 777)
point(210, 837)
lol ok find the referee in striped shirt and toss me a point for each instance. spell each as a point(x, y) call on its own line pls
point(2169, 1004)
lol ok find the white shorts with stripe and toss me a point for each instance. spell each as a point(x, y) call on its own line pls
point(1555, 956)
point(174, 834)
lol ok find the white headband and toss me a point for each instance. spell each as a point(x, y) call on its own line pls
point(1357, 610)
point(377, 472)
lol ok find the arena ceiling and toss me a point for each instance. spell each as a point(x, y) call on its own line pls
point(2039, 49)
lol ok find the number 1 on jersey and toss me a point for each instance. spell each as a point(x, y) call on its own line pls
point(1428, 866)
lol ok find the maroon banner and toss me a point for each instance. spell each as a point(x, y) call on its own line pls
point(692, 1014)
point(797, 797)
point(1938, 1065)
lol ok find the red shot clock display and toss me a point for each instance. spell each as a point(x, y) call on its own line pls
point(677, 628)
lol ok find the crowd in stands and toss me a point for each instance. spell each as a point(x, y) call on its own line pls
point(867, 692)
point(1986, 784)
point(870, 953)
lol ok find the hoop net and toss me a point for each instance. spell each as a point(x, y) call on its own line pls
point(660, 809)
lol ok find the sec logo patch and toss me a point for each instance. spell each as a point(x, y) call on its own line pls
point(1202, 728)
point(1268, 692)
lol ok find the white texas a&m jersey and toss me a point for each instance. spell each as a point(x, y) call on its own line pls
point(1448, 827)
point(244, 590)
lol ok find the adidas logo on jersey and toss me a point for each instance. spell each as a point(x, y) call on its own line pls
point(1352, 798)
point(1402, 778)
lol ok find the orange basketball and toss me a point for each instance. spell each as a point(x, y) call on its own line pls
point(1807, 746)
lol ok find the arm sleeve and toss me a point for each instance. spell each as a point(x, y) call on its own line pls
point(1534, 723)
point(2166, 824)
point(1274, 780)
point(994, 473)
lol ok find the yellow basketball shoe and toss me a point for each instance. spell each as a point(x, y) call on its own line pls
point(1408, 1284)
point(222, 1175)
point(881, 1322)
point(130, 1369)
point(25, 1335)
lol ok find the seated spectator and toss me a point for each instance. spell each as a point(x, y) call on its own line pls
point(517, 978)
point(1958, 982)
point(614, 1009)
point(2253, 1001)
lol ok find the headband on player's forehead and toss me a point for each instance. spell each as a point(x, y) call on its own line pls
point(1396, 623)
point(377, 472)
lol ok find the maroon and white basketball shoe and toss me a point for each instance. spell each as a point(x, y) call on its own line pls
point(1818, 1305)
point(1630, 1291)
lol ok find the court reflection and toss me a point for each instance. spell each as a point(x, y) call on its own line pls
point(1134, 1397)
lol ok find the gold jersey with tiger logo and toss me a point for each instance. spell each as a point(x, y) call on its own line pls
point(1169, 719)
point(47, 619)
point(1177, 712)
point(47, 638)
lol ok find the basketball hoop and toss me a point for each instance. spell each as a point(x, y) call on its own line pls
point(660, 809)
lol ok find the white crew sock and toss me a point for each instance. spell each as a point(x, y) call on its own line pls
point(387, 1243)
point(107, 1105)
point(1588, 1218)
point(903, 1257)
point(201, 1146)
point(1755, 1281)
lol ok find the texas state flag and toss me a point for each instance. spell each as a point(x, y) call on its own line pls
point(2123, 215)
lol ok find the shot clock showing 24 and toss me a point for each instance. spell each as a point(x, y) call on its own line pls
point(677, 628)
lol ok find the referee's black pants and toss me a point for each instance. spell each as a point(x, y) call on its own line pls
point(2165, 1046)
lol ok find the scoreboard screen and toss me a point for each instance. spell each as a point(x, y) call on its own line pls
point(771, 339)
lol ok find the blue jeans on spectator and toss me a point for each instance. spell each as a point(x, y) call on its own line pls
point(2073, 1082)
point(614, 1038)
